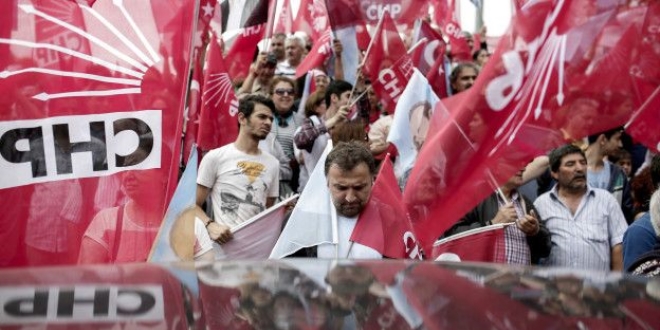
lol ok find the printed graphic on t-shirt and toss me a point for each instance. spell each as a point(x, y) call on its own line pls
point(251, 169)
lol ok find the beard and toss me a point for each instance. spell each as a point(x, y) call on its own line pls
point(348, 210)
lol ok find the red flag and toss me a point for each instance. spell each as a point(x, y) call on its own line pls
point(387, 63)
point(108, 133)
point(532, 98)
point(218, 124)
point(284, 22)
point(312, 18)
point(319, 53)
point(487, 244)
point(432, 58)
point(643, 125)
point(345, 13)
point(460, 50)
point(383, 225)
point(245, 44)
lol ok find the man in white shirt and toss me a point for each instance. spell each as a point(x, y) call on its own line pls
point(242, 179)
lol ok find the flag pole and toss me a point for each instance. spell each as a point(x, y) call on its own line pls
point(371, 42)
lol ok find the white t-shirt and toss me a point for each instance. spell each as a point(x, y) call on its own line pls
point(203, 242)
point(239, 183)
point(347, 249)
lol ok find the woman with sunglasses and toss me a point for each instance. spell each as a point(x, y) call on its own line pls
point(282, 92)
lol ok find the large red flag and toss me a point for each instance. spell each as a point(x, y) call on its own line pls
point(538, 92)
point(218, 124)
point(460, 50)
point(78, 148)
point(383, 225)
point(487, 244)
point(387, 63)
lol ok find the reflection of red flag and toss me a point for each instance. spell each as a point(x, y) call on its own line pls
point(387, 63)
point(218, 124)
point(530, 99)
point(284, 22)
point(444, 299)
point(320, 52)
point(383, 225)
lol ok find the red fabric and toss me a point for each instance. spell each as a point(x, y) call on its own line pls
point(244, 47)
point(312, 18)
point(284, 22)
point(383, 225)
point(446, 300)
point(351, 12)
point(319, 53)
point(431, 61)
point(460, 50)
point(362, 36)
point(51, 232)
point(486, 246)
point(525, 103)
point(388, 64)
point(218, 124)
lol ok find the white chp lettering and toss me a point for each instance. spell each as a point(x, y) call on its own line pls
point(412, 249)
point(81, 304)
point(374, 11)
point(80, 146)
point(391, 83)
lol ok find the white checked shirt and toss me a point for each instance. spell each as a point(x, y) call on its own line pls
point(584, 239)
point(517, 249)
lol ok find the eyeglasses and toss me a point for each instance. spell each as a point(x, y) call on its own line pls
point(282, 92)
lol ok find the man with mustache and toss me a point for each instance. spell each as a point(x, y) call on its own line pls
point(586, 224)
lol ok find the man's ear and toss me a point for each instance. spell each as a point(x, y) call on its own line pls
point(334, 98)
point(241, 118)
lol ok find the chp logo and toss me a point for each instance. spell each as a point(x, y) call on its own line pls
point(81, 304)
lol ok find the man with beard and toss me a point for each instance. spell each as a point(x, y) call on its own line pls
point(240, 174)
point(586, 224)
point(349, 170)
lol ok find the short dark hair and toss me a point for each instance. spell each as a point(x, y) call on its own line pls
point(348, 155)
point(556, 155)
point(655, 170)
point(336, 87)
point(608, 134)
point(246, 105)
point(454, 73)
point(313, 101)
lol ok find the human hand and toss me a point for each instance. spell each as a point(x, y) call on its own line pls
point(529, 224)
point(338, 117)
point(505, 214)
point(219, 232)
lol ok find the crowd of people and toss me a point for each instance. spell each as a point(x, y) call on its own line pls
point(587, 204)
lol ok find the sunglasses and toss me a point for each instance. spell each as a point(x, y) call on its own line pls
point(282, 92)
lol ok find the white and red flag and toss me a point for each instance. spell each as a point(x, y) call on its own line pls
point(387, 63)
point(284, 21)
point(541, 90)
point(85, 137)
point(431, 59)
point(312, 18)
point(218, 124)
point(245, 45)
point(460, 49)
point(383, 224)
point(351, 12)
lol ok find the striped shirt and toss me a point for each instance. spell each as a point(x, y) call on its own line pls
point(584, 239)
point(517, 249)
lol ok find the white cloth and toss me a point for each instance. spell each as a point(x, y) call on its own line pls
point(346, 249)
point(203, 241)
point(240, 183)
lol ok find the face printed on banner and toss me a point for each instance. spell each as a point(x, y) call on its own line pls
point(420, 118)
